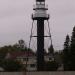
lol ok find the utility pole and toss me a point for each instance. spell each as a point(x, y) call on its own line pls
point(40, 16)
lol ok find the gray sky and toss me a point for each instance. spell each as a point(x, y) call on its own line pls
point(15, 20)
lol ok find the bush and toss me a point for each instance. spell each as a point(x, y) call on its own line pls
point(11, 65)
point(51, 66)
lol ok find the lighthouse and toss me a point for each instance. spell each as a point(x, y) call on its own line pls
point(40, 15)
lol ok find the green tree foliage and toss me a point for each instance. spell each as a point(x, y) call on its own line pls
point(66, 53)
point(51, 49)
point(72, 51)
point(11, 65)
point(51, 66)
point(20, 46)
point(4, 50)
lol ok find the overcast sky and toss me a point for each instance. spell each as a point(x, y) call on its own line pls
point(15, 20)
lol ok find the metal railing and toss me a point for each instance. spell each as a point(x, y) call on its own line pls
point(36, 15)
point(39, 6)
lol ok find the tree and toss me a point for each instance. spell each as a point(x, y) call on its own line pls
point(72, 51)
point(4, 50)
point(22, 44)
point(66, 53)
point(11, 65)
point(51, 49)
point(51, 66)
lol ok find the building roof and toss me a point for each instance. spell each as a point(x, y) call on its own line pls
point(16, 54)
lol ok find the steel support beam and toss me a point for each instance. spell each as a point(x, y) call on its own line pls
point(40, 45)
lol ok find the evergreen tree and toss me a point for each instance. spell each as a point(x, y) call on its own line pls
point(51, 49)
point(72, 51)
point(66, 53)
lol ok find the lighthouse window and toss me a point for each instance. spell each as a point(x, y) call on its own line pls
point(42, 2)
